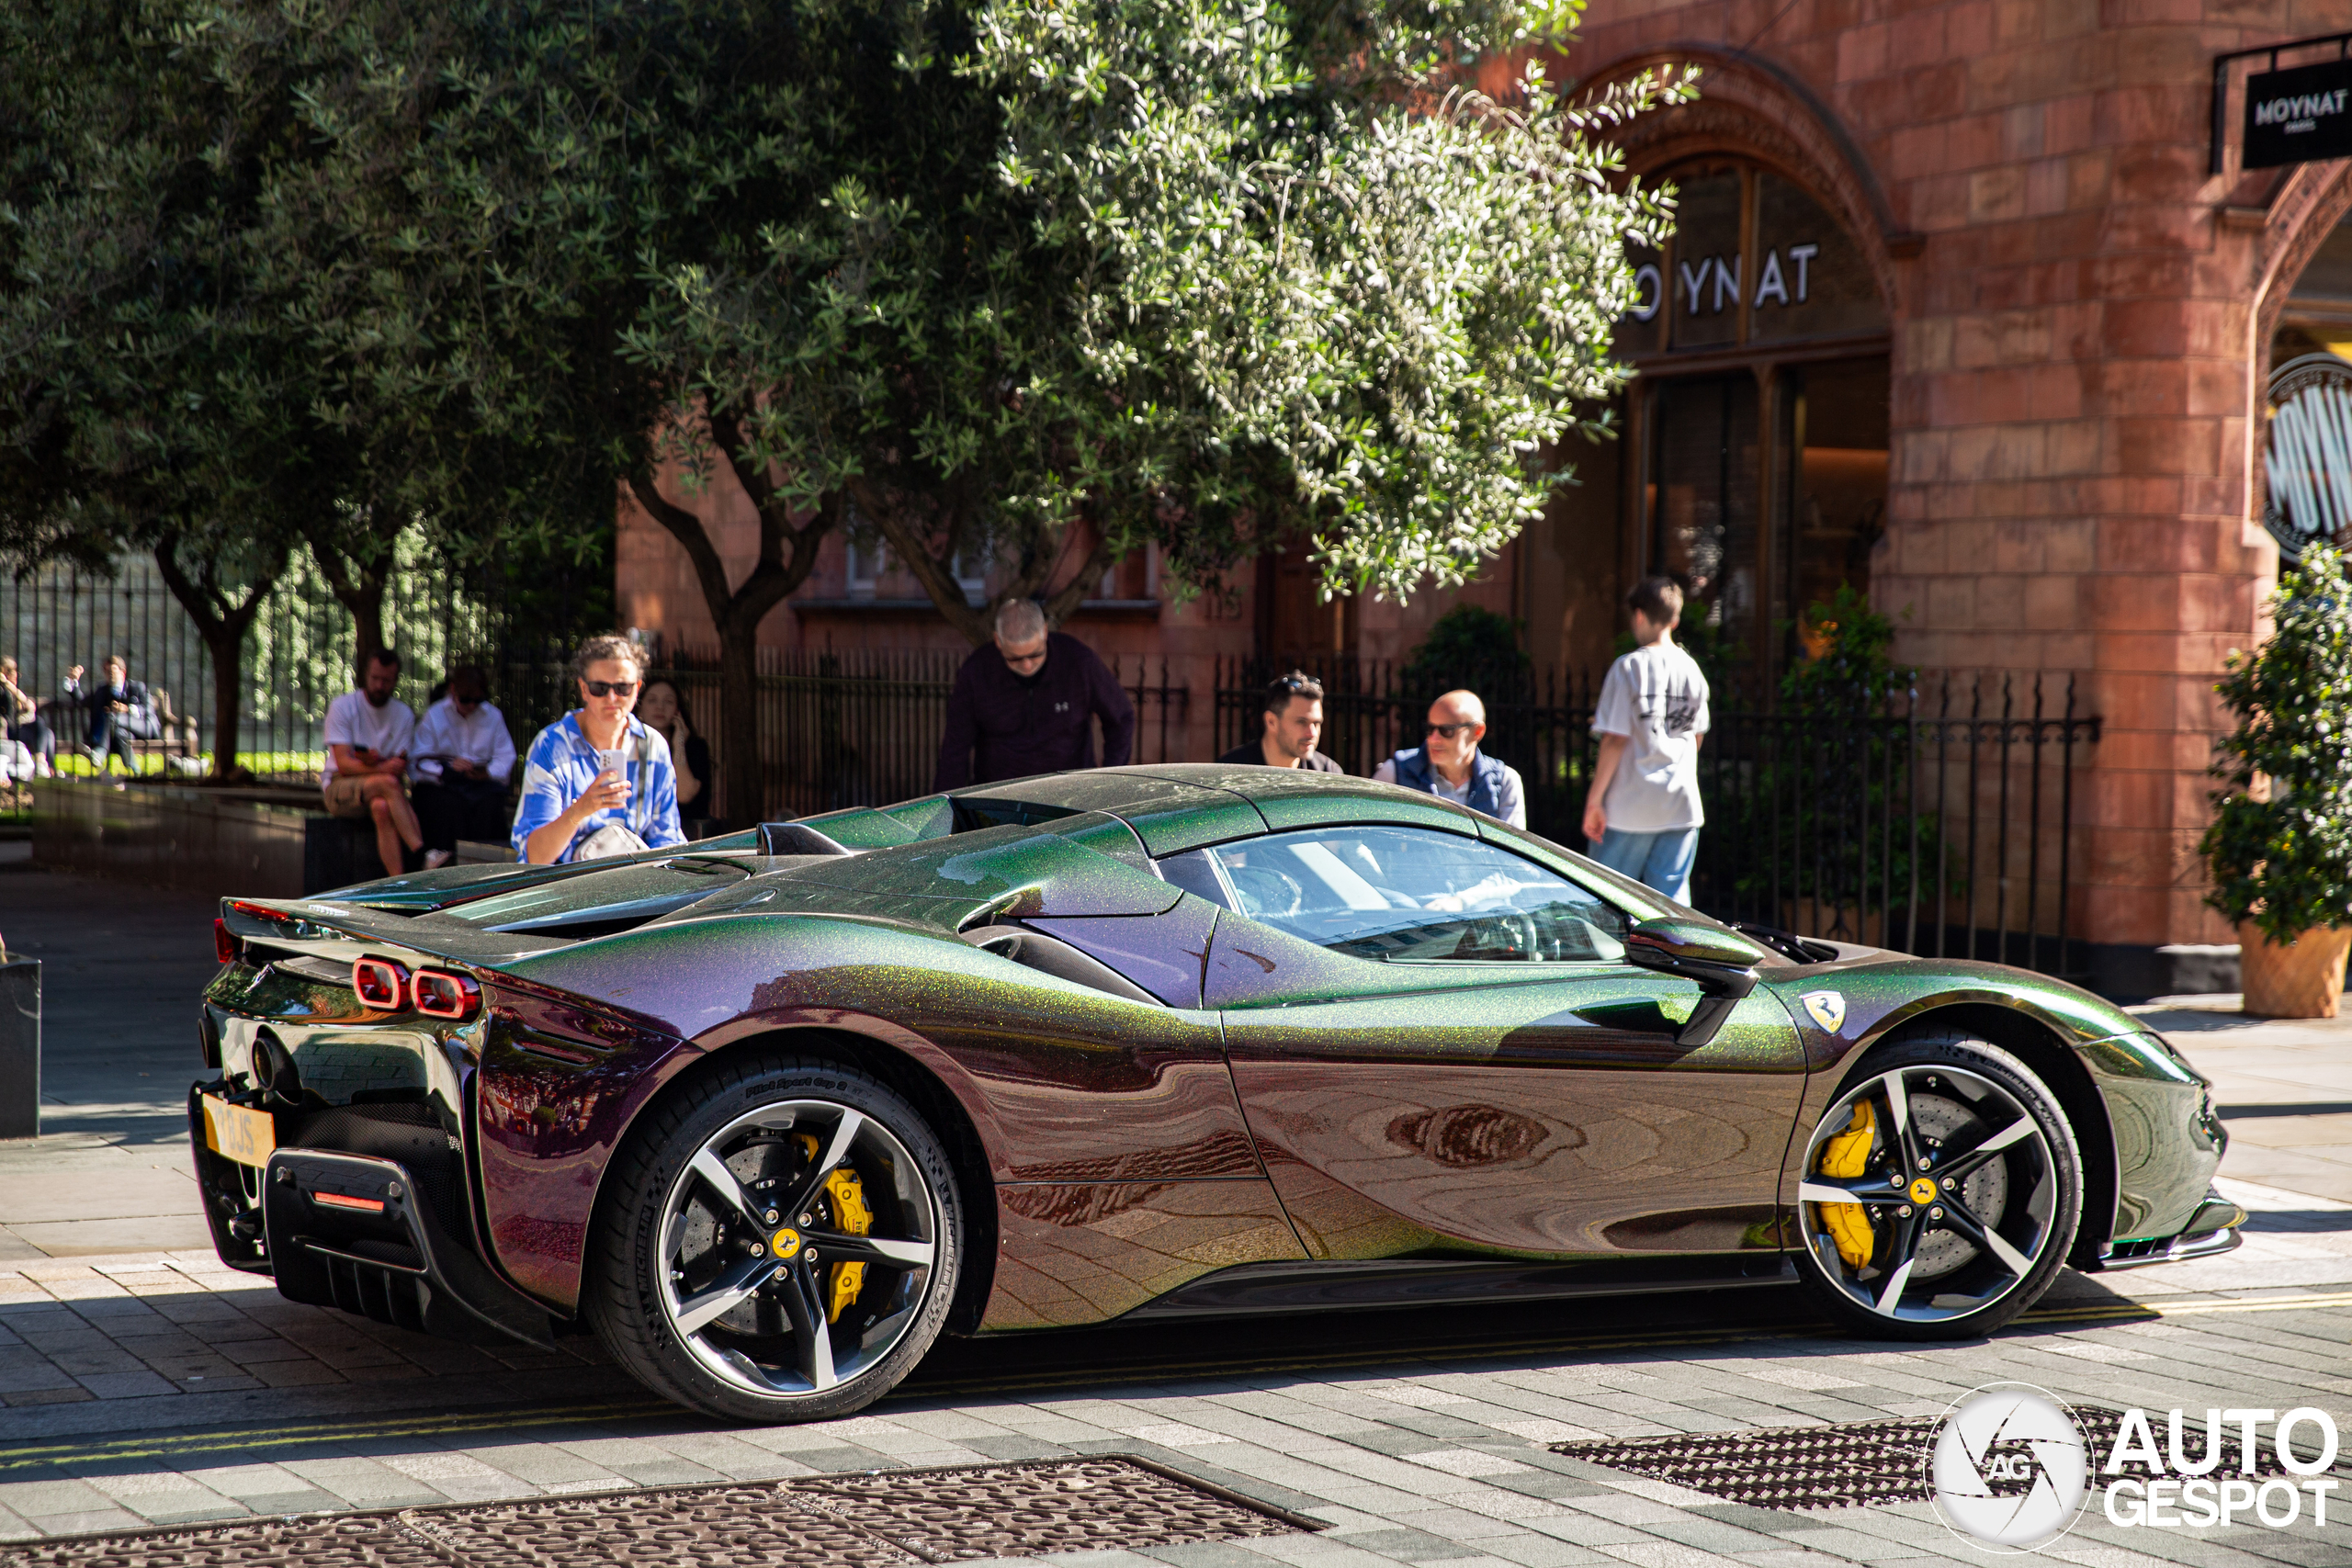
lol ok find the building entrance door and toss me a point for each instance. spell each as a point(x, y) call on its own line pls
point(1703, 519)
point(1757, 472)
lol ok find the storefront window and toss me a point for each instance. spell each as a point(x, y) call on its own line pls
point(2307, 446)
point(1765, 385)
point(1811, 280)
point(1704, 267)
point(1753, 260)
point(1836, 506)
point(1703, 519)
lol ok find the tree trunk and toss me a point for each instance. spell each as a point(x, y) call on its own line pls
point(359, 587)
point(222, 623)
point(742, 780)
point(917, 530)
point(787, 554)
point(227, 647)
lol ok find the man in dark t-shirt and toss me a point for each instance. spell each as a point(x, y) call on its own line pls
point(1027, 703)
point(1293, 723)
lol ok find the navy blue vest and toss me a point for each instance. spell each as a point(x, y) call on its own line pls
point(1413, 770)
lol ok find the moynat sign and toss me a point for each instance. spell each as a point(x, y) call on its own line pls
point(2296, 116)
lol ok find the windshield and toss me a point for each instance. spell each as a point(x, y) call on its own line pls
point(1405, 895)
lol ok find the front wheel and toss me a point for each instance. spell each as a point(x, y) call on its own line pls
point(780, 1242)
point(1940, 1192)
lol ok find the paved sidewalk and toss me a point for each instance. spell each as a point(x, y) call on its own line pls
point(1412, 1458)
point(121, 968)
point(2284, 1087)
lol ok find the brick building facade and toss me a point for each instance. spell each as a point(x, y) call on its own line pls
point(1957, 312)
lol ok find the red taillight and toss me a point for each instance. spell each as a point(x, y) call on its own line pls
point(344, 1200)
point(225, 945)
point(381, 983)
point(440, 994)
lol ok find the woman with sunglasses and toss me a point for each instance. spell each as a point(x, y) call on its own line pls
point(598, 782)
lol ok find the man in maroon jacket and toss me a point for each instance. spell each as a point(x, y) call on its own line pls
point(1027, 704)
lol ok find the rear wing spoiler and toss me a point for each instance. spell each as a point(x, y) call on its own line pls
point(303, 926)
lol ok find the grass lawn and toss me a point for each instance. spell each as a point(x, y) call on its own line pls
point(271, 767)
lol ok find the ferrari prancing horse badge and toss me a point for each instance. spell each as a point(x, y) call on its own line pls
point(1827, 1007)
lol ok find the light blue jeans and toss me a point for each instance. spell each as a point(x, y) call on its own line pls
point(1660, 860)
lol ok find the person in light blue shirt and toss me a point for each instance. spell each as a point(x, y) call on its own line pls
point(574, 806)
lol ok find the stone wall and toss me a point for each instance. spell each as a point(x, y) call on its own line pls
point(2078, 333)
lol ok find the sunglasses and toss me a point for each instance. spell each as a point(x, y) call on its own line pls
point(1448, 730)
point(610, 688)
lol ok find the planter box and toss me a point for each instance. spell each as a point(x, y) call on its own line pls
point(20, 1048)
point(215, 842)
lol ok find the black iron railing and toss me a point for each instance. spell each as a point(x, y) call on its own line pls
point(862, 727)
point(1937, 819)
point(298, 656)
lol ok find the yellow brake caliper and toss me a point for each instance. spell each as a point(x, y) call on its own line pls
point(853, 1218)
point(1843, 1158)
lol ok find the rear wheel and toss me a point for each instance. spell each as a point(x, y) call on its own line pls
point(780, 1242)
point(1940, 1192)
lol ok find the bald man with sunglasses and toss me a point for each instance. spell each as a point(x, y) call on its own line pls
point(1449, 765)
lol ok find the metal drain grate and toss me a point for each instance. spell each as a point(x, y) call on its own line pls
point(1799, 1468)
point(887, 1519)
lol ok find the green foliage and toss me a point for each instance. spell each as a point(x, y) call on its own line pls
point(1046, 280)
point(1206, 275)
point(1825, 816)
point(2280, 847)
point(1472, 647)
point(1851, 668)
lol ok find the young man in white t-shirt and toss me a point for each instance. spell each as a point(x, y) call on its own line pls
point(1642, 815)
point(368, 732)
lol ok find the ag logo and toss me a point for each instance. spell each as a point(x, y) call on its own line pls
point(1827, 1007)
point(2008, 1468)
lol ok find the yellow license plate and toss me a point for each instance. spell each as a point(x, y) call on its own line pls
point(235, 1133)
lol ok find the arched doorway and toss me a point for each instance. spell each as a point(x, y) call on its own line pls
point(2305, 454)
point(1753, 461)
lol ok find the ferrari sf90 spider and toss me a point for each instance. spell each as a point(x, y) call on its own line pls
point(769, 1114)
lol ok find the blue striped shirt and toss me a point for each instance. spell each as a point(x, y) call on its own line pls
point(562, 765)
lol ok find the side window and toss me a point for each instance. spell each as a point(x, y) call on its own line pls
point(1196, 873)
point(1408, 895)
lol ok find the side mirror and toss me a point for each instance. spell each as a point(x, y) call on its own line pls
point(1721, 962)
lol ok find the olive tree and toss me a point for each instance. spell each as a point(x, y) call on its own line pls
point(149, 397)
point(1211, 276)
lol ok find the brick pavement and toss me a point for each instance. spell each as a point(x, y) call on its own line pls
point(1411, 1459)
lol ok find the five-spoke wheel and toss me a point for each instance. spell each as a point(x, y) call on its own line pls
point(1940, 1191)
point(786, 1252)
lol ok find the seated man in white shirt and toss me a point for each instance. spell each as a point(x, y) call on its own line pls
point(368, 732)
point(464, 757)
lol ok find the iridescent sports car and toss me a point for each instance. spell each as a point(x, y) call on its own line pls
point(769, 1114)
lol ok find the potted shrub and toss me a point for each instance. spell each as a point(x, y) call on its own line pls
point(2279, 848)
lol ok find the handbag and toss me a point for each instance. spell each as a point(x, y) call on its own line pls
point(613, 839)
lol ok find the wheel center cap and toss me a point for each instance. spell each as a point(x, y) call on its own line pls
point(1922, 1191)
point(785, 1244)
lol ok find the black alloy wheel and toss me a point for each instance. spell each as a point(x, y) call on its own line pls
point(1940, 1192)
point(779, 1243)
